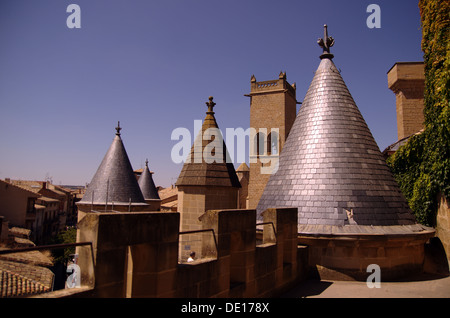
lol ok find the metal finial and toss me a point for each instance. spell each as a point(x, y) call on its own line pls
point(210, 105)
point(146, 163)
point(326, 43)
point(118, 129)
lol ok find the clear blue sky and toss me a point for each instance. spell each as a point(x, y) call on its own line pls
point(153, 64)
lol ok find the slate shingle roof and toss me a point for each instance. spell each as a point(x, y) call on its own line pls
point(331, 168)
point(147, 184)
point(203, 171)
point(114, 180)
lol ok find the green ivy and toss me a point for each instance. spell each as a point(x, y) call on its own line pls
point(422, 165)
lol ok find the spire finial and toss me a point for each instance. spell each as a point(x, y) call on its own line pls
point(146, 163)
point(210, 105)
point(326, 43)
point(118, 129)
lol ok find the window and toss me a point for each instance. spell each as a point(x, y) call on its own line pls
point(272, 143)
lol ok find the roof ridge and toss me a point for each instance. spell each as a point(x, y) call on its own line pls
point(21, 188)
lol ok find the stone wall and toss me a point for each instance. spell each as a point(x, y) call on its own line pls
point(193, 201)
point(397, 250)
point(443, 224)
point(407, 81)
point(136, 255)
point(273, 105)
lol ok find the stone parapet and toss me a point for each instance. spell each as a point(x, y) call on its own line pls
point(136, 255)
point(345, 252)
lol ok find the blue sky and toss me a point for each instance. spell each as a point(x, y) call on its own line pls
point(153, 64)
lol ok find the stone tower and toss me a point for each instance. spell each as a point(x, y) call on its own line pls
point(331, 167)
point(272, 105)
point(206, 181)
point(114, 185)
point(407, 81)
point(351, 212)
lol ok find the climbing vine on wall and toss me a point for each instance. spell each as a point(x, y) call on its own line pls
point(422, 166)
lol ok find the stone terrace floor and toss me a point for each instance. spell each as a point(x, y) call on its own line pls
point(423, 286)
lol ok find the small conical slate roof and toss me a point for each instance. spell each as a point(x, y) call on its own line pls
point(201, 170)
point(147, 185)
point(331, 168)
point(114, 182)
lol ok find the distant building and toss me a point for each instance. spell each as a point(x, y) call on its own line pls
point(47, 222)
point(53, 211)
point(169, 198)
point(17, 205)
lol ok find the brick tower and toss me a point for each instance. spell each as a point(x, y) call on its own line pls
point(272, 105)
point(407, 81)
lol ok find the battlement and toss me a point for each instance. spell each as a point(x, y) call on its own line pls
point(136, 255)
point(407, 81)
point(275, 86)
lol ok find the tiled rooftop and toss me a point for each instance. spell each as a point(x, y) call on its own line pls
point(203, 173)
point(331, 168)
point(114, 180)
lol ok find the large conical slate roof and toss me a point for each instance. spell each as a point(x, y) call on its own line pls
point(201, 169)
point(114, 182)
point(147, 185)
point(331, 168)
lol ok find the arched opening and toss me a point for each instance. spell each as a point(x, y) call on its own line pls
point(260, 144)
point(272, 143)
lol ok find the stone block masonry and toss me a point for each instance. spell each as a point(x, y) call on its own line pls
point(407, 81)
point(136, 255)
point(272, 105)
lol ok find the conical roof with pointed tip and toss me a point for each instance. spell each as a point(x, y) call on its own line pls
point(210, 167)
point(114, 182)
point(147, 185)
point(331, 168)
